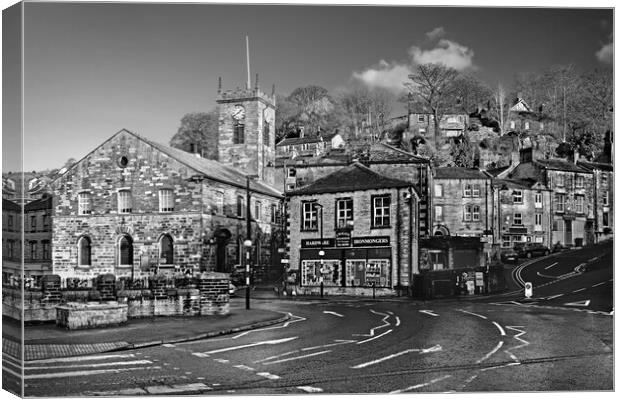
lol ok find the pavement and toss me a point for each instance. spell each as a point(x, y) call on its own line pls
point(46, 340)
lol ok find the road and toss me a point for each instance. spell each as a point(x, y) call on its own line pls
point(499, 343)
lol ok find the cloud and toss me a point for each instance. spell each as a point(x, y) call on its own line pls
point(393, 75)
point(606, 53)
point(436, 33)
point(447, 52)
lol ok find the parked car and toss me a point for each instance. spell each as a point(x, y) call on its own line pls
point(532, 249)
point(509, 256)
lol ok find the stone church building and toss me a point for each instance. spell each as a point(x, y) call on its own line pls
point(133, 207)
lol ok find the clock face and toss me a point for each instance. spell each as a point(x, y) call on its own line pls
point(238, 112)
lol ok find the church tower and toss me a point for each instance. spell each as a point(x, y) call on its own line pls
point(246, 130)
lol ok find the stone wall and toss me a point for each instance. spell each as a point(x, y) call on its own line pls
point(453, 202)
point(77, 316)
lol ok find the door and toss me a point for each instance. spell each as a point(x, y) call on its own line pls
point(568, 232)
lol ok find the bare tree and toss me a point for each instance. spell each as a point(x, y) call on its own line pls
point(198, 134)
point(433, 85)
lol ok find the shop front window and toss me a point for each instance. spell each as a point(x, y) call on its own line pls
point(311, 272)
point(362, 273)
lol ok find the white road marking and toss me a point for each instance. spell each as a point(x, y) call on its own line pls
point(397, 321)
point(276, 356)
point(272, 342)
point(85, 372)
point(553, 296)
point(580, 289)
point(373, 338)
point(596, 285)
point(421, 385)
point(332, 313)
point(309, 389)
point(429, 312)
point(551, 265)
point(269, 376)
point(244, 367)
point(200, 354)
point(372, 330)
point(163, 389)
point(488, 355)
point(78, 359)
point(392, 356)
point(286, 324)
point(499, 367)
point(168, 345)
point(390, 312)
point(501, 330)
point(298, 357)
point(579, 303)
point(340, 342)
point(131, 362)
point(221, 360)
point(472, 313)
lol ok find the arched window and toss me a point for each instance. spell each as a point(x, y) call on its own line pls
point(166, 250)
point(238, 132)
point(125, 251)
point(84, 250)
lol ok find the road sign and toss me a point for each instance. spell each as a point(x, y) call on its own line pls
point(528, 290)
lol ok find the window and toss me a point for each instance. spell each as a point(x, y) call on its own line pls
point(538, 200)
point(559, 202)
point(438, 190)
point(219, 202)
point(33, 250)
point(538, 219)
point(274, 213)
point(46, 221)
point(517, 219)
point(33, 223)
point(240, 206)
point(559, 181)
point(467, 190)
point(381, 211)
point(517, 196)
point(506, 241)
point(605, 197)
point(124, 201)
point(420, 118)
point(538, 239)
point(422, 130)
point(604, 179)
point(84, 251)
point(467, 213)
point(309, 216)
point(344, 212)
point(266, 138)
point(258, 207)
point(579, 203)
point(512, 124)
point(84, 207)
point(476, 213)
point(166, 200)
point(579, 181)
point(606, 219)
point(46, 249)
point(238, 132)
point(125, 251)
point(290, 187)
point(527, 126)
point(475, 190)
point(166, 250)
point(439, 213)
point(311, 272)
point(10, 223)
point(291, 172)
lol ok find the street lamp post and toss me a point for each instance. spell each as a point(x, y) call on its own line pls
point(321, 252)
point(248, 241)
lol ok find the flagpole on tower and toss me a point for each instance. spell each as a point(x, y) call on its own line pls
point(247, 51)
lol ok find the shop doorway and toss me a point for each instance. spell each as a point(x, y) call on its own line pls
point(222, 238)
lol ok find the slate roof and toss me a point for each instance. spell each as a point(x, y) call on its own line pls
point(514, 183)
point(460, 173)
point(355, 177)
point(607, 167)
point(495, 172)
point(37, 205)
point(298, 140)
point(560, 164)
point(10, 205)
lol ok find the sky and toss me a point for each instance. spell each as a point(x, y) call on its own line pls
point(93, 69)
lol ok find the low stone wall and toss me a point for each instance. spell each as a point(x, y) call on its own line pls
point(77, 316)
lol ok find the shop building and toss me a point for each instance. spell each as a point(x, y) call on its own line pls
point(353, 231)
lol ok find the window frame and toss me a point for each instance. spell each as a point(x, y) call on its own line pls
point(515, 218)
point(560, 199)
point(421, 118)
point(475, 211)
point(240, 206)
point(266, 135)
point(33, 249)
point(84, 204)
point(537, 203)
point(580, 181)
point(33, 222)
point(166, 194)
point(238, 132)
point(80, 256)
point(579, 204)
point(343, 215)
point(439, 215)
point(291, 172)
point(130, 250)
point(605, 198)
point(161, 250)
point(467, 213)
point(467, 190)
point(258, 210)
point(385, 210)
point(309, 216)
point(438, 190)
point(124, 195)
point(538, 217)
point(560, 180)
point(517, 198)
point(220, 203)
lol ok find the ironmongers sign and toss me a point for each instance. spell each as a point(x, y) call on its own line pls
point(317, 243)
point(371, 241)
